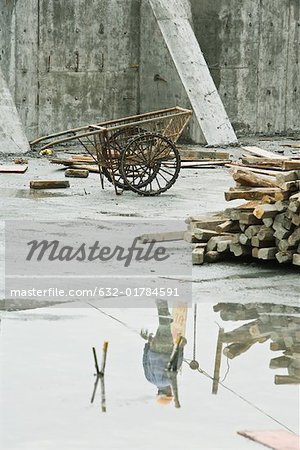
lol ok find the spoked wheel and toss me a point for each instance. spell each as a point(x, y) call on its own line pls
point(150, 164)
point(117, 144)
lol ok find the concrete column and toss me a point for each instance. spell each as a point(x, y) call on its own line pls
point(12, 136)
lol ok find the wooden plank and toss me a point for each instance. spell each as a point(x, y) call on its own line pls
point(49, 184)
point(263, 153)
point(198, 256)
point(253, 194)
point(248, 178)
point(292, 164)
point(76, 173)
point(268, 172)
point(202, 164)
point(195, 153)
point(275, 439)
point(91, 168)
point(17, 168)
point(191, 66)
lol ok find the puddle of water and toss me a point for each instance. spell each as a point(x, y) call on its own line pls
point(253, 349)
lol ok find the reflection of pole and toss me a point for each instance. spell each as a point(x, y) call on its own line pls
point(96, 361)
point(103, 396)
point(100, 376)
point(95, 388)
point(173, 379)
point(218, 362)
point(104, 354)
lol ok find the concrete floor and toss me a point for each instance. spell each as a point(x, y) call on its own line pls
point(66, 335)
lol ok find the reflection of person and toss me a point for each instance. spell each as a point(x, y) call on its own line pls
point(162, 359)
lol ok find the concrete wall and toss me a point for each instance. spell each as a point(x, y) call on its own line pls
point(70, 62)
point(253, 51)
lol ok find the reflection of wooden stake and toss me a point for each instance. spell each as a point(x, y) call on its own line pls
point(218, 362)
point(95, 388)
point(173, 379)
point(103, 396)
point(100, 376)
point(104, 354)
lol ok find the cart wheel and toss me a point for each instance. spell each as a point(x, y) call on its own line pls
point(117, 143)
point(150, 164)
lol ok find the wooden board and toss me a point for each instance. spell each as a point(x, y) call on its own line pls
point(17, 168)
point(196, 154)
point(263, 153)
point(173, 20)
point(179, 316)
point(275, 439)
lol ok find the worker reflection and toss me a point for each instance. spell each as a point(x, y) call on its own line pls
point(163, 356)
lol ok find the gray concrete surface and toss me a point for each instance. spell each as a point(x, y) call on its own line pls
point(50, 407)
point(68, 64)
point(12, 136)
point(195, 192)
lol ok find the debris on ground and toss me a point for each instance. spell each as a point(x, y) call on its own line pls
point(77, 173)
point(16, 168)
point(267, 227)
point(275, 439)
point(21, 161)
point(49, 184)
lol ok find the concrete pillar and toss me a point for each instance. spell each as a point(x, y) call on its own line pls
point(12, 136)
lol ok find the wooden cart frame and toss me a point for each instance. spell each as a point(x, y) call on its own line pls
point(136, 153)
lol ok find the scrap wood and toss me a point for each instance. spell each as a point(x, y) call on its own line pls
point(202, 164)
point(292, 145)
point(91, 167)
point(197, 154)
point(83, 158)
point(266, 228)
point(267, 172)
point(49, 184)
point(263, 153)
point(76, 173)
point(69, 161)
point(275, 439)
point(16, 168)
point(264, 163)
point(249, 178)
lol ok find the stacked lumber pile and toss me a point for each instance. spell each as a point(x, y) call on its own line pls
point(266, 227)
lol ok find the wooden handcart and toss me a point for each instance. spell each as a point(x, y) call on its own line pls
point(135, 153)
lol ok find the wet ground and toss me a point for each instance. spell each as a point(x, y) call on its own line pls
point(47, 369)
point(48, 380)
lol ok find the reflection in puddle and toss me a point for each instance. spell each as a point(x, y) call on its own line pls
point(163, 352)
point(278, 324)
point(148, 365)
